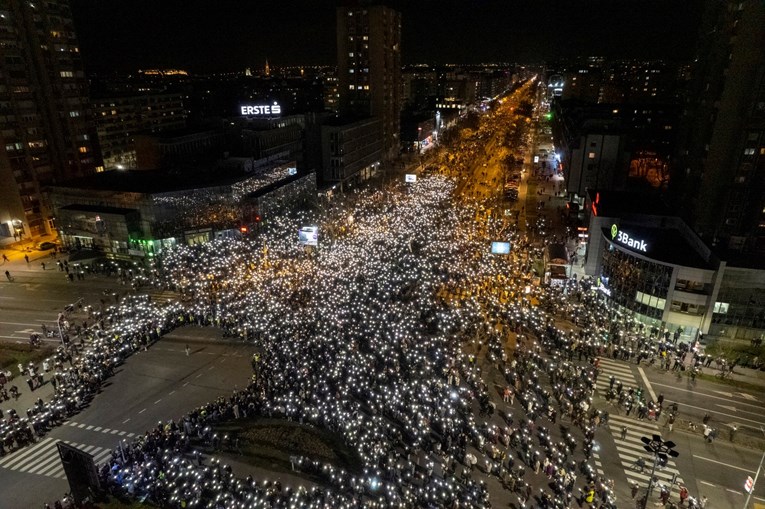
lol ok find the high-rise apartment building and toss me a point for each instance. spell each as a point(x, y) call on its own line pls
point(45, 123)
point(719, 177)
point(369, 66)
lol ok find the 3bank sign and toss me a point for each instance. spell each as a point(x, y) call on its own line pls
point(624, 238)
point(260, 110)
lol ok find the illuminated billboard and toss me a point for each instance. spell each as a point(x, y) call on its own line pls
point(260, 110)
point(409, 177)
point(308, 236)
point(500, 248)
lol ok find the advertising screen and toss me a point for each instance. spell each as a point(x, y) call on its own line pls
point(410, 178)
point(500, 248)
point(308, 236)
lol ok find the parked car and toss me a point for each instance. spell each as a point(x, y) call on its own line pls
point(45, 246)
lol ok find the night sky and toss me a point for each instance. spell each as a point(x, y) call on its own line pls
point(228, 35)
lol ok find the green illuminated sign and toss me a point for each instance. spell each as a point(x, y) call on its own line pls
point(625, 239)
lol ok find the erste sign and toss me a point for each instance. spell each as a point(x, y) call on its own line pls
point(260, 109)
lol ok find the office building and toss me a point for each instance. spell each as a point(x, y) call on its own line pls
point(369, 67)
point(47, 131)
point(134, 213)
point(120, 118)
point(663, 278)
point(351, 151)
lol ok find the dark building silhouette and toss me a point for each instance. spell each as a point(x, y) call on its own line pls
point(47, 129)
point(719, 175)
point(369, 66)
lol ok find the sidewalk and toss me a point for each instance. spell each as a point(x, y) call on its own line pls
point(27, 398)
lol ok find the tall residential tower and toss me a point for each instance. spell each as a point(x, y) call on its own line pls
point(720, 169)
point(47, 131)
point(369, 66)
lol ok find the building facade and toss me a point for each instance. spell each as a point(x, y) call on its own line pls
point(660, 273)
point(141, 213)
point(351, 151)
point(369, 67)
point(719, 172)
point(120, 118)
point(47, 130)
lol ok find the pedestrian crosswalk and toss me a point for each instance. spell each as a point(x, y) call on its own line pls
point(43, 458)
point(598, 464)
point(630, 449)
point(619, 370)
point(161, 296)
point(100, 429)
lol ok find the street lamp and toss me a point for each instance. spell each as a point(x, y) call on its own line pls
point(661, 450)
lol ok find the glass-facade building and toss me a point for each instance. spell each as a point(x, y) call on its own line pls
point(639, 285)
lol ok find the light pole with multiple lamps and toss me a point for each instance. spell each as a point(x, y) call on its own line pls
point(661, 451)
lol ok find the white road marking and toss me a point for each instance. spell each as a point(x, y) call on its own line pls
point(707, 395)
point(142, 411)
point(126, 420)
point(721, 463)
point(707, 483)
point(647, 384)
point(737, 417)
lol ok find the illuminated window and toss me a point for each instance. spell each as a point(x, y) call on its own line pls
point(591, 155)
point(99, 169)
point(83, 150)
point(721, 307)
point(67, 74)
point(749, 151)
point(350, 54)
point(74, 114)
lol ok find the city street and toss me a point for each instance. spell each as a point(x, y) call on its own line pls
point(159, 384)
point(165, 382)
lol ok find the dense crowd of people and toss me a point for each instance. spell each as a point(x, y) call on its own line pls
point(384, 335)
point(400, 332)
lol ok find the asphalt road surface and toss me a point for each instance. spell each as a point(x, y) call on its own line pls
point(156, 385)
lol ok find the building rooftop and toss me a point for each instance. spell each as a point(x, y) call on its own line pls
point(624, 203)
point(99, 209)
point(154, 181)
